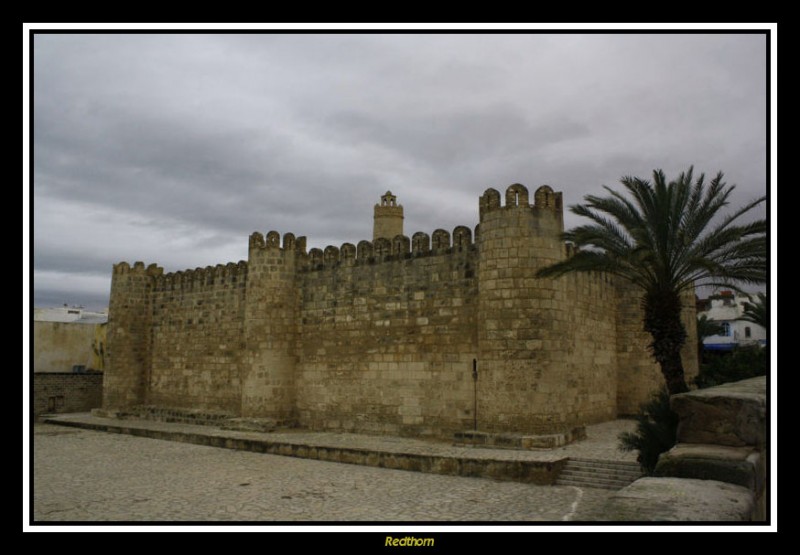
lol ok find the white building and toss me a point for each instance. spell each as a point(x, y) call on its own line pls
point(68, 339)
point(727, 308)
point(65, 313)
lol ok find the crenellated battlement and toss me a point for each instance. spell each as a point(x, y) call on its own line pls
point(272, 241)
point(138, 267)
point(231, 273)
point(400, 247)
point(198, 277)
point(517, 197)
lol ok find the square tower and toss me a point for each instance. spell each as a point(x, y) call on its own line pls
point(388, 218)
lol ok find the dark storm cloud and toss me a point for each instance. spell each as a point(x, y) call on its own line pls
point(173, 148)
point(165, 167)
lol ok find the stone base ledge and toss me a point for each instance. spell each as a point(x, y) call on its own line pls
point(106, 413)
point(166, 414)
point(200, 417)
point(680, 499)
point(519, 441)
point(250, 424)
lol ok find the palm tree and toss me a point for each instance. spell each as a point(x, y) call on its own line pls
point(757, 312)
point(663, 241)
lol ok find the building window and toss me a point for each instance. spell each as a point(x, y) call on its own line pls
point(747, 331)
point(726, 329)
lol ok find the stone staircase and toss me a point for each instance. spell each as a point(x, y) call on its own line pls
point(594, 473)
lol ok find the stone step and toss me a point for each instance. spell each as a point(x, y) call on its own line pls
point(596, 485)
point(595, 473)
point(592, 483)
point(581, 473)
point(743, 466)
point(605, 469)
point(587, 483)
point(621, 474)
point(596, 463)
point(600, 473)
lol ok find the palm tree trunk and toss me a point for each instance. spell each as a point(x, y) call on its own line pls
point(662, 320)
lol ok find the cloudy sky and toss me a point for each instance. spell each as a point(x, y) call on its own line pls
point(174, 148)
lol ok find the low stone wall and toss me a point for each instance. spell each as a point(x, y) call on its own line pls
point(717, 470)
point(58, 392)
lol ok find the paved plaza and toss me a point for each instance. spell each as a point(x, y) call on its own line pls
point(84, 475)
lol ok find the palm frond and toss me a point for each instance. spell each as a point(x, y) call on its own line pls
point(757, 312)
point(661, 234)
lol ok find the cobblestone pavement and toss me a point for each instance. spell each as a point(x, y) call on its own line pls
point(83, 475)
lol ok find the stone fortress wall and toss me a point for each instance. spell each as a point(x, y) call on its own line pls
point(380, 336)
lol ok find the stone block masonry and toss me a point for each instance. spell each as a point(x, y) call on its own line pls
point(59, 392)
point(380, 336)
point(197, 338)
point(394, 343)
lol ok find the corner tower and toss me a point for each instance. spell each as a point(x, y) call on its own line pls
point(388, 218)
point(129, 343)
point(521, 381)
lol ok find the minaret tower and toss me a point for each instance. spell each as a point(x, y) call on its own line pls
point(388, 218)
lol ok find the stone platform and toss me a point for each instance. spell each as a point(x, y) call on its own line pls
point(536, 466)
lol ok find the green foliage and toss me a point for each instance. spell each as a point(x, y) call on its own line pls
point(757, 312)
point(666, 237)
point(656, 429)
point(740, 364)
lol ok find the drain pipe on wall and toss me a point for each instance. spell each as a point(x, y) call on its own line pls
point(475, 394)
